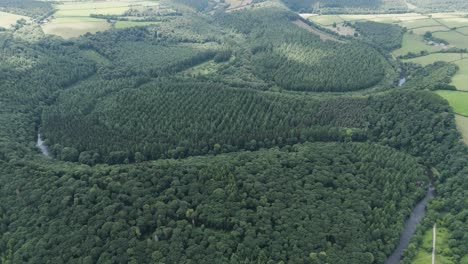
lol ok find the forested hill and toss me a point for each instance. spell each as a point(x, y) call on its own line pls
point(222, 138)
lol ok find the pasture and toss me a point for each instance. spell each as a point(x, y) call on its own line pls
point(458, 100)
point(414, 43)
point(462, 125)
point(70, 27)
point(7, 20)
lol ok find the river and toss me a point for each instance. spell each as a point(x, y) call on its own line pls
point(42, 147)
point(410, 226)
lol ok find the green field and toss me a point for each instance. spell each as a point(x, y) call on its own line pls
point(454, 38)
point(8, 19)
point(462, 125)
point(424, 255)
point(431, 58)
point(414, 43)
point(70, 27)
point(458, 101)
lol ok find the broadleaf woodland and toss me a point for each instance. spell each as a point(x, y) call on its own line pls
point(288, 149)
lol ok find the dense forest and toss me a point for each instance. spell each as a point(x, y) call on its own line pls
point(223, 144)
point(440, 5)
point(383, 35)
point(31, 8)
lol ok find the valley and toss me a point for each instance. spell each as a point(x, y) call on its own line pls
point(208, 131)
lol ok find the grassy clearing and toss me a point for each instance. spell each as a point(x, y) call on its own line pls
point(462, 125)
point(326, 20)
point(414, 43)
point(323, 36)
point(75, 27)
point(458, 101)
point(7, 19)
point(460, 80)
point(424, 254)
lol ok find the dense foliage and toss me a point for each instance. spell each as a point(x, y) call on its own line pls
point(177, 118)
point(32, 8)
point(383, 35)
point(272, 201)
point(295, 59)
point(312, 203)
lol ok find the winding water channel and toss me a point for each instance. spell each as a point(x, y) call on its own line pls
point(410, 226)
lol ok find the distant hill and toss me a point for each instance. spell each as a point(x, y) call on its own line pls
point(440, 5)
point(345, 6)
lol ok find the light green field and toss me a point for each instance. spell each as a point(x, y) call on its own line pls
point(71, 9)
point(7, 19)
point(462, 126)
point(454, 38)
point(411, 24)
point(454, 22)
point(423, 30)
point(326, 20)
point(74, 27)
point(414, 43)
point(458, 101)
point(460, 80)
point(424, 255)
point(128, 24)
point(431, 58)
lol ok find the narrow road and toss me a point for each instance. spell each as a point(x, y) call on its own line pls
point(434, 235)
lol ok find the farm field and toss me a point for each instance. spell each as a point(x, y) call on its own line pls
point(70, 27)
point(452, 27)
point(7, 19)
point(414, 43)
point(72, 19)
point(462, 125)
point(458, 100)
point(424, 254)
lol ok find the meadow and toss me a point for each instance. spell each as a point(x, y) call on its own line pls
point(462, 125)
point(458, 100)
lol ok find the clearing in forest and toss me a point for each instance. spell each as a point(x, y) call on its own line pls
point(458, 100)
point(322, 35)
point(424, 253)
point(462, 125)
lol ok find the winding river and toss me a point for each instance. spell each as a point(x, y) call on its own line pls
point(42, 147)
point(410, 226)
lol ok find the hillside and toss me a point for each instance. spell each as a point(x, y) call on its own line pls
point(191, 132)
